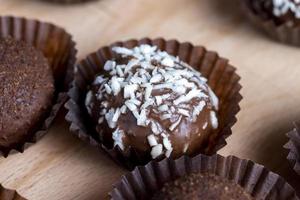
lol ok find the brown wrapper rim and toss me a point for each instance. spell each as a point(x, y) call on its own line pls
point(7, 194)
point(59, 48)
point(221, 75)
point(282, 33)
point(293, 145)
point(257, 180)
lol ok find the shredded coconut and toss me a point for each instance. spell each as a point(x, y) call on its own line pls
point(152, 140)
point(282, 7)
point(117, 136)
point(213, 119)
point(156, 151)
point(152, 81)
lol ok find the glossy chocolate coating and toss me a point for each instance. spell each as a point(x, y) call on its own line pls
point(187, 138)
point(191, 133)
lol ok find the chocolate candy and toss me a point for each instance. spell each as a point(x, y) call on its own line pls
point(152, 102)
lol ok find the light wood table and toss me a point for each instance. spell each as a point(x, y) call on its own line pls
point(60, 166)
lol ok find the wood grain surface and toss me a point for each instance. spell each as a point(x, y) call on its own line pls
point(61, 167)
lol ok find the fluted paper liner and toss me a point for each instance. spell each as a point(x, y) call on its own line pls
point(259, 182)
point(58, 47)
point(282, 33)
point(7, 194)
point(221, 78)
point(293, 146)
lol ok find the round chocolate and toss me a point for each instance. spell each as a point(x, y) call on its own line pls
point(26, 89)
point(281, 11)
point(202, 186)
point(152, 102)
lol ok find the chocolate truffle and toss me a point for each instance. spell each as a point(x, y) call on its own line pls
point(26, 89)
point(202, 186)
point(152, 102)
point(281, 11)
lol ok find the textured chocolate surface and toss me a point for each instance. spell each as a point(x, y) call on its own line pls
point(27, 88)
point(202, 186)
point(281, 11)
point(175, 116)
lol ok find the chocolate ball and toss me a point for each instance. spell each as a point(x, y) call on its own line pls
point(281, 11)
point(153, 103)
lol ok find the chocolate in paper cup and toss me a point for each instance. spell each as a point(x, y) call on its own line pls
point(221, 76)
point(144, 181)
point(59, 49)
point(282, 33)
point(7, 194)
point(293, 146)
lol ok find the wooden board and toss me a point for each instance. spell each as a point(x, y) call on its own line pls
point(60, 166)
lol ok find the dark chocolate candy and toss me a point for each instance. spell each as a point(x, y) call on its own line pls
point(281, 11)
point(152, 102)
point(26, 89)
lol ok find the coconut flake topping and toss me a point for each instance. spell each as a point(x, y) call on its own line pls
point(282, 7)
point(153, 81)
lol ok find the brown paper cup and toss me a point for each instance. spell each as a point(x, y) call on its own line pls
point(258, 181)
point(293, 146)
point(221, 78)
point(282, 33)
point(58, 47)
point(6, 194)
